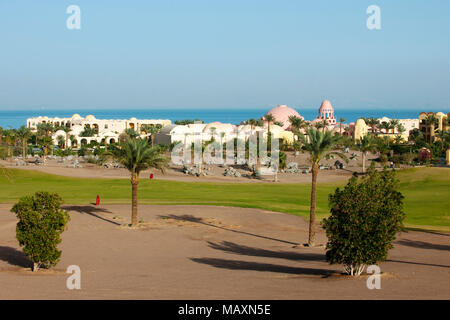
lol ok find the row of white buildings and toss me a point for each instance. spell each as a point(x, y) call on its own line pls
point(109, 130)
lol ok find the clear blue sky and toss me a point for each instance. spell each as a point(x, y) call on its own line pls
point(224, 54)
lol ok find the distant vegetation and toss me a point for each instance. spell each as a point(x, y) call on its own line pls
point(188, 121)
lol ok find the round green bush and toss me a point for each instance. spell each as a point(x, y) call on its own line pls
point(41, 222)
point(365, 218)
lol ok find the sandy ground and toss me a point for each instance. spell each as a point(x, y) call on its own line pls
point(201, 252)
point(215, 174)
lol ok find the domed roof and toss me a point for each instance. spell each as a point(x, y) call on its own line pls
point(282, 113)
point(76, 116)
point(133, 119)
point(325, 106)
point(246, 128)
point(59, 133)
point(219, 126)
point(360, 122)
point(90, 117)
point(274, 127)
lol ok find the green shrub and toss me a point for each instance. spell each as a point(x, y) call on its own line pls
point(41, 222)
point(365, 217)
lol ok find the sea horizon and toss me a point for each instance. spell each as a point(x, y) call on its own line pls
point(15, 118)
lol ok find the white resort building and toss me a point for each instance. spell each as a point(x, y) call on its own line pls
point(221, 132)
point(108, 130)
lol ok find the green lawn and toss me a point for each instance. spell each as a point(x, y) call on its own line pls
point(426, 191)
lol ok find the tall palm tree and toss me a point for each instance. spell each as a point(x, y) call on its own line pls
point(1, 135)
point(73, 140)
point(259, 123)
point(136, 155)
point(386, 126)
point(373, 123)
point(130, 133)
point(393, 124)
point(154, 130)
point(61, 141)
point(67, 130)
point(320, 145)
point(297, 123)
point(11, 139)
point(400, 128)
point(365, 144)
point(269, 119)
point(324, 125)
point(347, 130)
point(433, 123)
point(44, 131)
point(23, 133)
point(319, 125)
point(341, 121)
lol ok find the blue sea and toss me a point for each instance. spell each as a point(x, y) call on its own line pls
point(15, 119)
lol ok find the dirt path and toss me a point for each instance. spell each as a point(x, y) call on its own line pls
point(201, 252)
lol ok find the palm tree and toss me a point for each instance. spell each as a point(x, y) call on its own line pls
point(88, 132)
point(61, 140)
point(67, 130)
point(365, 144)
point(23, 133)
point(324, 125)
point(10, 139)
point(146, 128)
point(373, 123)
point(46, 142)
point(320, 145)
point(154, 130)
point(297, 123)
point(270, 119)
point(393, 123)
point(341, 121)
point(400, 128)
point(130, 133)
point(398, 139)
point(1, 135)
point(44, 131)
point(252, 123)
point(73, 140)
point(432, 122)
point(347, 130)
point(444, 137)
point(319, 125)
point(136, 155)
point(386, 126)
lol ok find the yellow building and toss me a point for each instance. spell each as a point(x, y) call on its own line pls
point(429, 128)
point(362, 129)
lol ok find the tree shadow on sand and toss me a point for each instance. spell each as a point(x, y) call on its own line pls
point(423, 245)
point(92, 211)
point(264, 267)
point(15, 257)
point(231, 247)
point(191, 218)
